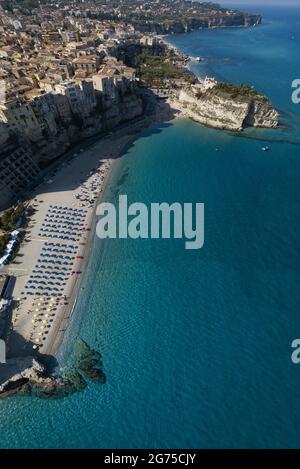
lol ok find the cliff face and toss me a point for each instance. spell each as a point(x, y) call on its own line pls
point(116, 112)
point(192, 24)
point(221, 111)
point(113, 112)
point(261, 115)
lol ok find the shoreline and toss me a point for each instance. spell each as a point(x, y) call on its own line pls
point(71, 309)
point(106, 151)
point(103, 151)
point(57, 342)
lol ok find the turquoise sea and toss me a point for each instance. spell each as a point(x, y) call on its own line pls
point(196, 344)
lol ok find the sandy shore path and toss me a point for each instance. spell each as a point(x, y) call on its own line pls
point(40, 320)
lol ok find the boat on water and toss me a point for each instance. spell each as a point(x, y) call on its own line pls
point(265, 149)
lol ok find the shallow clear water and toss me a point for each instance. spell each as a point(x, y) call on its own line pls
point(195, 344)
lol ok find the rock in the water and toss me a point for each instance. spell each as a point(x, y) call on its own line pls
point(82, 351)
point(94, 374)
point(89, 362)
point(60, 387)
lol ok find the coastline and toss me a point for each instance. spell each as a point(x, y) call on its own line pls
point(101, 153)
point(241, 296)
point(69, 310)
point(159, 117)
point(105, 151)
point(122, 147)
point(178, 114)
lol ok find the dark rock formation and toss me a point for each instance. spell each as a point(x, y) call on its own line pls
point(60, 387)
point(89, 362)
point(28, 376)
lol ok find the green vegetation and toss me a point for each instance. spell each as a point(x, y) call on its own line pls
point(237, 92)
point(155, 70)
point(3, 242)
point(8, 223)
point(167, 12)
point(152, 66)
point(9, 219)
point(26, 5)
point(29, 4)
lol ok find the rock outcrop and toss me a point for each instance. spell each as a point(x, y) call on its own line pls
point(227, 107)
point(110, 114)
point(89, 362)
point(261, 114)
point(18, 372)
point(28, 376)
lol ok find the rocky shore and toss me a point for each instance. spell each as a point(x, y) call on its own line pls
point(30, 376)
point(226, 106)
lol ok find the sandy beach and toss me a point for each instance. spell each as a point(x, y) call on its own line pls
point(55, 251)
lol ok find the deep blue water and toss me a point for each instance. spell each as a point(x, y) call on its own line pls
point(266, 57)
point(195, 344)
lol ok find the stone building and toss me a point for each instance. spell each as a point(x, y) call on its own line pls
point(18, 170)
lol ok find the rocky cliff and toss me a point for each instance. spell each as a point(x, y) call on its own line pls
point(192, 24)
point(125, 109)
point(227, 107)
point(110, 113)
